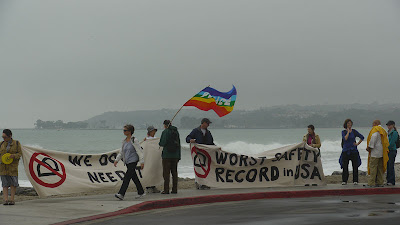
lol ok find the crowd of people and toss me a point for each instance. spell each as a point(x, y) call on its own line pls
point(381, 146)
point(131, 154)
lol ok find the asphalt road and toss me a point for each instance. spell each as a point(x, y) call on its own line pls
point(352, 210)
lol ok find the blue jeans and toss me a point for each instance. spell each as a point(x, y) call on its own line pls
point(390, 176)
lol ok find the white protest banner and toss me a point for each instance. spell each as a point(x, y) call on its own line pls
point(153, 170)
point(57, 173)
point(292, 165)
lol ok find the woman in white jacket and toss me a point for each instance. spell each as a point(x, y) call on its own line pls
point(132, 154)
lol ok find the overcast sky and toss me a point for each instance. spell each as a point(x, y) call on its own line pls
point(75, 59)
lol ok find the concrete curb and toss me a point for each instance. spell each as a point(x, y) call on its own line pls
point(175, 202)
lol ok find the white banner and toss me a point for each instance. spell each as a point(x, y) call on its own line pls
point(292, 165)
point(55, 173)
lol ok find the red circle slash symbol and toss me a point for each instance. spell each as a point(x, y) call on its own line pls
point(201, 160)
point(54, 171)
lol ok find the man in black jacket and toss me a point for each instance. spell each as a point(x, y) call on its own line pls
point(201, 135)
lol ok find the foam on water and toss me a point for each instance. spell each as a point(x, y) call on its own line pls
point(34, 146)
point(241, 147)
point(24, 183)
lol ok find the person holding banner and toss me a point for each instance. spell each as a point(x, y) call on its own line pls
point(201, 135)
point(151, 132)
point(311, 138)
point(10, 152)
point(171, 154)
point(131, 153)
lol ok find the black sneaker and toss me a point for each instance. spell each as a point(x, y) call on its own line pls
point(155, 190)
point(204, 187)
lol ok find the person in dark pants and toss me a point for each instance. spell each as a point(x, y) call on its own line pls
point(201, 135)
point(393, 135)
point(131, 153)
point(350, 151)
point(171, 154)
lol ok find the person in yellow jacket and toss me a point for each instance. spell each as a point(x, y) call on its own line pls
point(311, 138)
point(9, 171)
point(378, 149)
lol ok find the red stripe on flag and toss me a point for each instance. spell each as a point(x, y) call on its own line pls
point(220, 110)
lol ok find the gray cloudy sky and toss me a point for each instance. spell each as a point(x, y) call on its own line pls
point(74, 59)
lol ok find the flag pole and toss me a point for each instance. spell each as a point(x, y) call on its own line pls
point(175, 115)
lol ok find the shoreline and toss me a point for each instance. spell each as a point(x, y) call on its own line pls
point(28, 193)
point(190, 128)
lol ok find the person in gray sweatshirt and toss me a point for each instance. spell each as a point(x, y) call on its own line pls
point(132, 154)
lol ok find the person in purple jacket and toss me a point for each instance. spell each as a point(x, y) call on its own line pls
point(350, 151)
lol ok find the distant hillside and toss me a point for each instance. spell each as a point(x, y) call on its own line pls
point(289, 116)
point(143, 118)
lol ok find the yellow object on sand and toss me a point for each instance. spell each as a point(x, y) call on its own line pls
point(385, 145)
point(6, 158)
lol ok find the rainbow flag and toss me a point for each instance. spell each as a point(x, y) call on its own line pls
point(209, 98)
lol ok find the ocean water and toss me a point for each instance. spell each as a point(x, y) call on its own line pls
point(242, 141)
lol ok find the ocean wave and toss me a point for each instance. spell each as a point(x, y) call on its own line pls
point(24, 183)
point(34, 146)
point(242, 147)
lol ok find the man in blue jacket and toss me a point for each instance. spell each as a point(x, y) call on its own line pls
point(201, 135)
point(393, 135)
